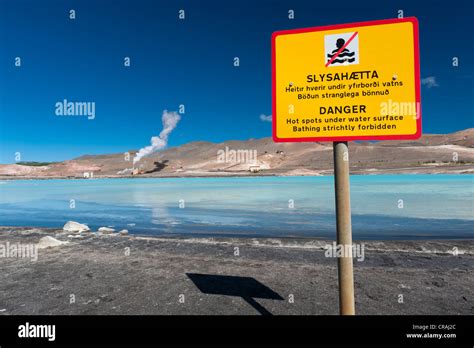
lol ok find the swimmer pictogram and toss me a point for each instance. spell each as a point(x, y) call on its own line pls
point(341, 49)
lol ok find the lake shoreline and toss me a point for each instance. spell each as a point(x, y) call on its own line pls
point(430, 276)
point(324, 173)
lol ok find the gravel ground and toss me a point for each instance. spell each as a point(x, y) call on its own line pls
point(112, 274)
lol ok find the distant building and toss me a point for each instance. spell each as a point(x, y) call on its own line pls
point(254, 169)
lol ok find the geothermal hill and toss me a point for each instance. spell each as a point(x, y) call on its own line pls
point(432, 153)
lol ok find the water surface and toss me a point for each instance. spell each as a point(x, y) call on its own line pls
point(383, 206)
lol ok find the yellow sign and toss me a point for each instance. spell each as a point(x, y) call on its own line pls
point(358, 81)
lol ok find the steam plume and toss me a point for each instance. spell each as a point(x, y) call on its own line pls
point(170, 121)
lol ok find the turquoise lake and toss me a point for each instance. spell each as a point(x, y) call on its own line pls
point(383, 206)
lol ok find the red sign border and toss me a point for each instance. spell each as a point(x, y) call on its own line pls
point(416, 45)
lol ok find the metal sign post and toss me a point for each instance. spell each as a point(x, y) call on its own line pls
point(344, 228)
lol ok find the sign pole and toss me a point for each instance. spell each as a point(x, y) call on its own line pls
point(344, 228)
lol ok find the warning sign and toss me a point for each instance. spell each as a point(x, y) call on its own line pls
point(358, 81)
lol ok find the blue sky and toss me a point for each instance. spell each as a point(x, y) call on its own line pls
point(187, 62)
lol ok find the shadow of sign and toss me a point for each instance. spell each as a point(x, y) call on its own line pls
point(247, 288)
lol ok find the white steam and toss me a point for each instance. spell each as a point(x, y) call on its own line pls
point(170, 120)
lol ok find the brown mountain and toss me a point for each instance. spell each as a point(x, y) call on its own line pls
point(432, 153)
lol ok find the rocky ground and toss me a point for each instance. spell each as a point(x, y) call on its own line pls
point(95, 273)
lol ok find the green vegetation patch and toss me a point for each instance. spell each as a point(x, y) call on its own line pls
point(35, 164)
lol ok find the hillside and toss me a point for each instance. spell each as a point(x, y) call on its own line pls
point(432, 153)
